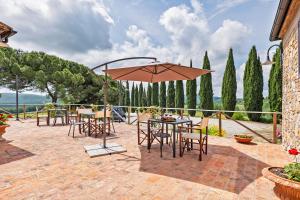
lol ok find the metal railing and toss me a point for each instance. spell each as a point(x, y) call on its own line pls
point(29, 110)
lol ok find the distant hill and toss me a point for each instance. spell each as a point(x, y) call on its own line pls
point(10, 98)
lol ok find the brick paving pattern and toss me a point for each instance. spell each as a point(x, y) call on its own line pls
point(44, 163)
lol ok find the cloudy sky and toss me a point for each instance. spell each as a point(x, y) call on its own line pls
point(94, 31)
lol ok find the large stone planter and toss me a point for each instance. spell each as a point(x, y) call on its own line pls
point(284, 188)
point(2, 131)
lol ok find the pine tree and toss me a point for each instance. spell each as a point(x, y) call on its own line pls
point(253, 85)
point(136, 96)
point(229, 85)
point(171, 96)
point(149, 95)
point(162, 95)
point(132, 97)
point(275, 84)
point(179, 98)
point(191, 93)
point(141, 91)
point(155, 97)
point(206, 92)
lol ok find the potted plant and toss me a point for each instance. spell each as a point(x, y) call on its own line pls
point(243, 138)
point(3, 124)
point(286, 179)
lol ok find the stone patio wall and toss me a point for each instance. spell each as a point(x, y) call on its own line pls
point(291, 88)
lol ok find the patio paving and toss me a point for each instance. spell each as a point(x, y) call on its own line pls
point(44, 163)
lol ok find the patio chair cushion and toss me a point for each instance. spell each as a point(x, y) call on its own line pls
point(164, 135)
point(193, 136)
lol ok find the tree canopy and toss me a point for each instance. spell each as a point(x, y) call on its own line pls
point(179, 95)
point(229, 85)
point(253, 85)
point(162, 95)
point(275, 84)
point(171, 96)
point(206, 91)
point(61, 79)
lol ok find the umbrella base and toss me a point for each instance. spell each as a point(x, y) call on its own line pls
point(99, 150)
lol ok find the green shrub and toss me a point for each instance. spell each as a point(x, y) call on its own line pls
point(212, 130)
point(266, 118)
point(240, 116)
point(292, 171)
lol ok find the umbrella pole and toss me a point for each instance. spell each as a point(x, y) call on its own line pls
point(105, 104)
point(104, 149)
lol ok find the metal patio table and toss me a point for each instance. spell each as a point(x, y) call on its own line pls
point(174, 124)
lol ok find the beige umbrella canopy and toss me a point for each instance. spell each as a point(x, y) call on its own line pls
point(156, 72)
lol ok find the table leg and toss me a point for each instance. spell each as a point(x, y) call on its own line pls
point(89, 126)
point(167, 133)
point(148, 136)
point(174, 141)
point(161, 140)
point(48, 119)
point(67, 118)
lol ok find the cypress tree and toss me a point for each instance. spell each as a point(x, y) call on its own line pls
point(136, 96)
point(132, 97)
point(141, 91)
point(191, 93)
point(229, 85)
point(127, 95)
point(162, 95)
point(171, 96)
point(179, 98)
point(144, 99)
point(149, 95)
point(155, 97)
point(253, 85)
point(206, 91)
point(275, 84)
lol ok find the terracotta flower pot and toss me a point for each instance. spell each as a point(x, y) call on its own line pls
point(2, 131)
point(284, 188)
point(244, 140)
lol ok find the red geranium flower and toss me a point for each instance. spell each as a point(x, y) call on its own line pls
point(10, 116)
point(293, 152)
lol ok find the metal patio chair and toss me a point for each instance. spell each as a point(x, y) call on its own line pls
point(189, 135)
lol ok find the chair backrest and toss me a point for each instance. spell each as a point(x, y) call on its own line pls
point(204, 122)
point(100, 114)
point(143, 117)
point(84, 110)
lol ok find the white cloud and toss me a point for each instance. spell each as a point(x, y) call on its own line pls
point(226, 5)
point(63, 26)
point(83, 35)
point(191, 36)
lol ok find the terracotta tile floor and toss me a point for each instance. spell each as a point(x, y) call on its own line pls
point(44, 163)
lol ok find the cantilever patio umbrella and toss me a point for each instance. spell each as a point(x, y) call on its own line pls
point(153, 72)
point(156, 72)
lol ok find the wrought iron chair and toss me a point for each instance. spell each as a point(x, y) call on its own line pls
point(188, 135)
point(59, 114)
point(80, 118)
point(109, 122)
point(97, 124)
point(142, 126)
point(41, 114)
